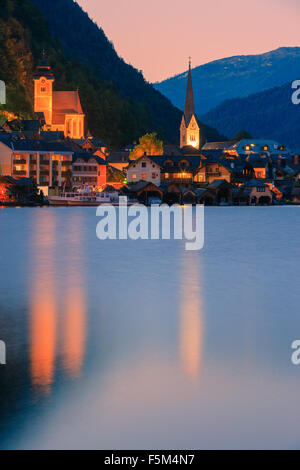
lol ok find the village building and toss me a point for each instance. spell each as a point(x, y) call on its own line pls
point(88, 171)
point(119, 160)
point(93, 145)
point(211, 171)
point(143, 191)
point(61, 109)
point(189, 128)
point(47, 164)
point(144, 169)
point(257, 192)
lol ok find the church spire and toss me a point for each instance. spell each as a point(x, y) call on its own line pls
point(189, 108)
point(189, 129)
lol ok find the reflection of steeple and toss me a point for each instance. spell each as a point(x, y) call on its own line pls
point(189, 108)
point(191, 317)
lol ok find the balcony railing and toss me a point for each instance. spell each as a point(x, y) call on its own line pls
point(20, 172)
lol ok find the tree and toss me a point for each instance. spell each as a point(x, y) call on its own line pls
point(149, 144)
point(242, 135)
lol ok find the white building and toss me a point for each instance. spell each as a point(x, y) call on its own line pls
point(143, 169)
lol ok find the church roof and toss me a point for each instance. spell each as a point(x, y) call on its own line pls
point(65, 102)
point(189, 108)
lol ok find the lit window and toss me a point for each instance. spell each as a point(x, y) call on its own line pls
point(167, 175)
point(143, 176)
point(134, 176)
point(153, 175)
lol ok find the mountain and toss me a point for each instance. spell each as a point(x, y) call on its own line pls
point(83, 40)
point(234, 77)
point(268, 114)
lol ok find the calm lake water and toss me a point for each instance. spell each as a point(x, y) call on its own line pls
point(127, 345)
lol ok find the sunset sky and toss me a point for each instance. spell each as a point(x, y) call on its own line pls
point(157, 36)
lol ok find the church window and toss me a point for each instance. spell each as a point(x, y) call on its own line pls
point(43, 89)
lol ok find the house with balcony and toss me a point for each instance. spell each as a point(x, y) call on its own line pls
point(47, 164)
point(210, 171)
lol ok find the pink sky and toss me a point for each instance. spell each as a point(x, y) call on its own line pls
point(157, 36)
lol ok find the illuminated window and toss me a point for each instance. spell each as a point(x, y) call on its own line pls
point(192, 138)
point(134, 176)
point(143, 176)
point(167, 175)
point(153, 175)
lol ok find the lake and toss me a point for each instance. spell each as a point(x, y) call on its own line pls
point(143, 345)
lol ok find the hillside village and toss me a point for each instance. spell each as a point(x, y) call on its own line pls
point(52, 154)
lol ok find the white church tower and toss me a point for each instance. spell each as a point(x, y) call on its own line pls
point(189, 129)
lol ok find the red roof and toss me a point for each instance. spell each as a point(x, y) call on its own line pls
point(65, 102)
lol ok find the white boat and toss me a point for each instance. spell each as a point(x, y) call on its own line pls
point(84, 198)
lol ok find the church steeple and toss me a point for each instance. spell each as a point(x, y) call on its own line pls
point(189, 108)
point(189, 129)
point(43, 89)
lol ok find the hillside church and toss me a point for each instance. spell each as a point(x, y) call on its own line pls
point(189, 129)
point(61, 109)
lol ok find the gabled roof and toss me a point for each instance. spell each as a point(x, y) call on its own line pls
point(253, 183)
point(118, 157)
point(190, 150)
point(87, 156)
point(141, 185)
point(65, 102)
point(218, 145)
point(217, 183)
point(194, 162)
